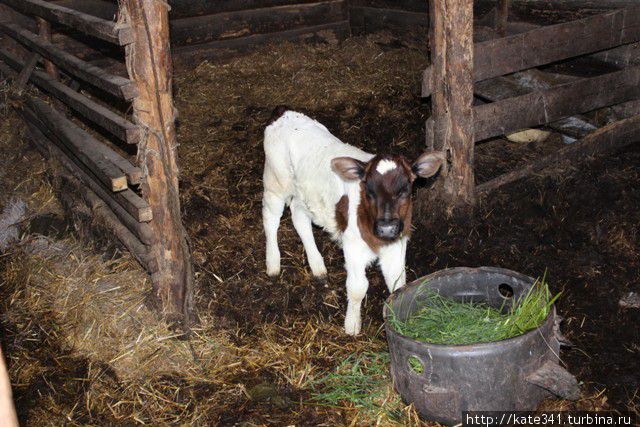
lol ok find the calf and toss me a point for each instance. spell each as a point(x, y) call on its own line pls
point(362, 200)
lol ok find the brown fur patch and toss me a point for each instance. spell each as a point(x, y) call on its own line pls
point(366, 222)
point(368, 211)
point(342, 213)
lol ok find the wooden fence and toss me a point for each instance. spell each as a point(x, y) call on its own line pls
point(456, 124)
point(135, 195)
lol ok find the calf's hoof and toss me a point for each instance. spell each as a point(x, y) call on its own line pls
point(321, 280)
point(273, 275)
point(351, 326)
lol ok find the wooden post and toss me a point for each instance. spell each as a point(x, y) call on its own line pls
point(44, 31)
point(502, 16)
point(149, 65)
point(451, 126)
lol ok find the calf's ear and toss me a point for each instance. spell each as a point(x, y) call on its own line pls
point(347, 168)
point(428, 163)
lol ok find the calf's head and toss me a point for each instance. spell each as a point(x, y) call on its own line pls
point(385, 183)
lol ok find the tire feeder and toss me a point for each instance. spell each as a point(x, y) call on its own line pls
point(514, 374)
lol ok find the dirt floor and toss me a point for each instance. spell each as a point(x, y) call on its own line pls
point(83, 349)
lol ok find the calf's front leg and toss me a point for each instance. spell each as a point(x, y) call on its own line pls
point(356, 260)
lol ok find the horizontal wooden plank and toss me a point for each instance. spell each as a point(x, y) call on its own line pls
point(224, 48)
point(626, 109)
point(118, 86)
point(544, 45)
point(88, 24)
point(571, 128)
point(369, 19)
point(188, 8)
point(572, 4)
point(227, 25)
point(133, 173)
point(537, 108)
point(96, 113)
point(613, 136)
point(6, 72)
point(102, 9)
point(69, 141)
point(406, 5)
point(552, 43)
point(80, 143)
point(142, 230)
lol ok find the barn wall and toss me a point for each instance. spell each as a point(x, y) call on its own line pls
point(398, 16)
point(204, 29)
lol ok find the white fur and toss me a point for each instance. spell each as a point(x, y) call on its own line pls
point(385, 165)
point(298, 173)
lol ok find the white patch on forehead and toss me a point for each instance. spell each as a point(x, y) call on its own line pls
point(385, 165)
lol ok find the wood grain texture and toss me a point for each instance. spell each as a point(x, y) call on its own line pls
point(86, 23)
point(451, 41)
point(540, 107)
point(613, 136)
point(543, 45)
point(149, 65)
point(108, 120)
point(38, 130)
point(129, 232)
point(228, 25)
point(118, 86)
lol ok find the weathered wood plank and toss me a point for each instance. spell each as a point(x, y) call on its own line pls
point(626, 109)
point(406, 5)
point(370, 19)
point(227, 25)
point(6, 72)
point(108, 120)
point(574, 4)
point(451, 41)
point(187, 8)
point(502, 17)
point(613, 136)
point(546, 106)
point(102, 9)
point(556, 42)
point(44, 31)
point(552, 43)
point(80, 144)
point(142, 230)
point(130, 202)
point(225, 48)
point(88, 24)
point(118, 86)
point(519, 84)
point(26, 71)
point(149, 64)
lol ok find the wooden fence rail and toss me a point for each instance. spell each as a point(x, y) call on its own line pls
point(96, 27)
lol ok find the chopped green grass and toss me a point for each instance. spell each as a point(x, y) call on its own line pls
point(362, 382)
point(445, 321)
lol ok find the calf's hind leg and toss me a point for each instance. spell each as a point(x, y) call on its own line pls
point(272, 208)
point(302, 223)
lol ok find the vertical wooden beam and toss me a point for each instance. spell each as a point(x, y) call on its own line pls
point(502, 16)
point(451, 124)
point(44, 30)
point(149, 65)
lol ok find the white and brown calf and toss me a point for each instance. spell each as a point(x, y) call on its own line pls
point(362, 200)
